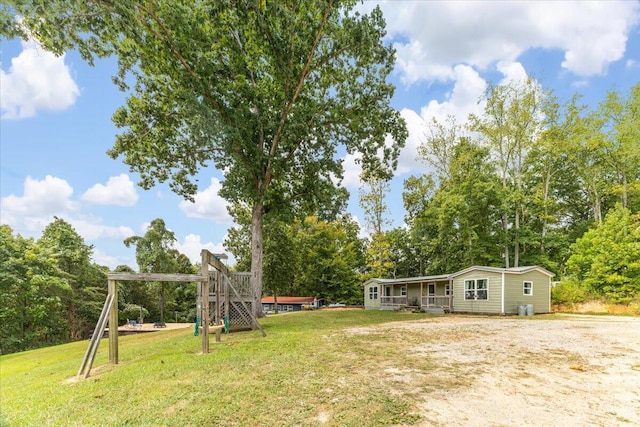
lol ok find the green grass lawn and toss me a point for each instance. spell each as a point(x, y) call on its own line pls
point(306, 371)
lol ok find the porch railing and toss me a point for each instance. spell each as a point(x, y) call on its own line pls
point(400, 300)
point(436, 301)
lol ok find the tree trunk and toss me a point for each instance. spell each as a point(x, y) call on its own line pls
point(545, 200)
point(162, 302)
point(597, 207)
point(257, 217)
point(516, 244)
point(505, 224)
point(275, 302)
point(625, 190)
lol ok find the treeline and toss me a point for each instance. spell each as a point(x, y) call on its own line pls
point(530, 181)
point(51, 292)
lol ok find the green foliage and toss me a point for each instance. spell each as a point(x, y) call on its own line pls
point(50, 291)
point(551, 172)
point(266, 91)
point(328, 256)
point(154, 254)
point(570, 291)
point(279, 261)
point(132, 312)
point(457, 224)
point(378, 257)
point(606, 259)
point(86, 280)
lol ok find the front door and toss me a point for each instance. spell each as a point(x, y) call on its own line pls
point(431, 300)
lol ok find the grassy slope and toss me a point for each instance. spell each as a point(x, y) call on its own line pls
point(305, 372)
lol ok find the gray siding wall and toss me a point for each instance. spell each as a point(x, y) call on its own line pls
point(493, 304)
point(414, 293)
point(514, 292)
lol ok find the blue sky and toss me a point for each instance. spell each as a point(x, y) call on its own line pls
point(55, 125)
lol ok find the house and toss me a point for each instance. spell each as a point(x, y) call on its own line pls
point(477, 289)
point(290, 303)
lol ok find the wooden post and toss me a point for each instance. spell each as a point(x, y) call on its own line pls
point(218, 289)
point(204, 271)
point(227, 297)
point(113, 323)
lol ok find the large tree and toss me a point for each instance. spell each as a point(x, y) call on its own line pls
point(510, 126)
point(87, 281)
point(328, 255)
point(264, 90)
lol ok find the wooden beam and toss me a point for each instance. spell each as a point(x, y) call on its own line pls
point(113, 322)
point(158, 277)
point(214, 262)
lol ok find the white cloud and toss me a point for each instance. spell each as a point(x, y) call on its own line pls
point(208, 205)
point(408, 156)
point(632, 63)
point(512, 71)
point(192, 246)
point(91, 228)
point(41, 198)
point(432, 37)
point(112, 262)
point(463, 100)
point(119, 191)
point(36, 80)
point(352, 170)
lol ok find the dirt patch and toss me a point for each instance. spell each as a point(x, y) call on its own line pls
point(493, 371)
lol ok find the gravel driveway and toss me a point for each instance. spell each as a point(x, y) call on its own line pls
point(576, 371)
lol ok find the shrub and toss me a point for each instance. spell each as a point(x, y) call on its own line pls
point(570, 291)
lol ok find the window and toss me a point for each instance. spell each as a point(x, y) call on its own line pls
point(403, 291)
point(447, 290)
point(476, 289)
point(527, 288)
point(373, 292)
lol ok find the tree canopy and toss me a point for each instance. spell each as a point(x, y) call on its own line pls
point(264, 91)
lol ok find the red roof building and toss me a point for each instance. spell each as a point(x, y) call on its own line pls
point(287, 303)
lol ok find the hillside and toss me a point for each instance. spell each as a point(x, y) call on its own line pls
point(346, 367)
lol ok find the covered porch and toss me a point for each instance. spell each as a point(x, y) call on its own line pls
point(429, 292)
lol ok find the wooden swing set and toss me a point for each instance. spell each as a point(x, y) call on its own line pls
point(215, 287)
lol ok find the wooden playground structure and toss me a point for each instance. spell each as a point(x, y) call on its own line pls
point(226, 300)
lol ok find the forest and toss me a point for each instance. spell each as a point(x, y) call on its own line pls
point(531, 182)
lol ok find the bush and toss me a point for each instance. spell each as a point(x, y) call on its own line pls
point(570, 291)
